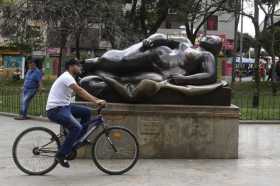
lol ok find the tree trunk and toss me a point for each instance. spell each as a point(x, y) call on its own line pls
point(63, 40)
point(133, 11)
point(257, 52)
point(257, 76)
point(274, 89)
point(163, 13)
point(237, 17)
point(60, 60)
point(190, 33)
point(77, 37)
point(143, 18)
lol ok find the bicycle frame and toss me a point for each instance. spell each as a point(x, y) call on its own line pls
point(96, 122)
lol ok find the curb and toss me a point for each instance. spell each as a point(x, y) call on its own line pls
point(36, 118)
point(242, 122)
point(260, 122)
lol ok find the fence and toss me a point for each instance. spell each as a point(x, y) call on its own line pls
point(268, 109)
point(10, 102)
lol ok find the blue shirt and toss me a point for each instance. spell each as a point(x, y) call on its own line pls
point(32, 79)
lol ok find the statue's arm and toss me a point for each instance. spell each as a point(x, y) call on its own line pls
point(166, 42)
point(149, 44)
point(207, 76)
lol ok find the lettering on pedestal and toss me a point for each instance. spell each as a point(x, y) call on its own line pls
point(201, 129)
point(150, 127)
point(116, 119)
point(149, 130)
point(200, 134)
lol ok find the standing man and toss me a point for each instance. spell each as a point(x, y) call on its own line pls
point(60, 110)
point(32, 82)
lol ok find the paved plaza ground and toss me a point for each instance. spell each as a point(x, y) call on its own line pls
point(259, 164)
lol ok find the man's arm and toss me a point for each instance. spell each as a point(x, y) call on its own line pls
point(40, 81)
point(41, 88)
point(85, 95)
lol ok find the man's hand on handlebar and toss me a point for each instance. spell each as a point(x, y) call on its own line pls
point(101, 103)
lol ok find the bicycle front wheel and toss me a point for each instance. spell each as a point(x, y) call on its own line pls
point(34, 150)
point(115, 150)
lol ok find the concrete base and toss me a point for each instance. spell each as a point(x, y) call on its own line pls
point(176, 131)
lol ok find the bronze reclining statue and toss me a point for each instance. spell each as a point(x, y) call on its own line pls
point(158, 71)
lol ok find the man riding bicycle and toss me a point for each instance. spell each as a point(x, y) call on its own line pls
point(59, 109)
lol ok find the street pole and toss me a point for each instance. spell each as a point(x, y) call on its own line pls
point(206, 12)
point(241, 41)
point(236, 23)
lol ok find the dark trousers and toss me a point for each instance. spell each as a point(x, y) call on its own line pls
point(26, 98)
point(67, 116)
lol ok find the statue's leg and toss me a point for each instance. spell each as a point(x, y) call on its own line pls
point(191, 90)
point(146, 88)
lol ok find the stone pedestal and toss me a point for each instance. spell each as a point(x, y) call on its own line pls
point(176, 131)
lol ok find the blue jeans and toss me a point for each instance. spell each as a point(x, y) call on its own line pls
point(26, 98)
point(67, 116)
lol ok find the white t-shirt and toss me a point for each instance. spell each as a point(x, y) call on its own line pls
point(60, 93)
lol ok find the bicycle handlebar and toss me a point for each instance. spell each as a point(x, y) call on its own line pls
point(99, 109)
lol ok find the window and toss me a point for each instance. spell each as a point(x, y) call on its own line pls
point(172, 11)
point(212, 23)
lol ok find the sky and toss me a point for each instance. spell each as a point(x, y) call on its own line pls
point(248, 25)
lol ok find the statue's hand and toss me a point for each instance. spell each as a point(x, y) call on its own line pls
point(148, 43)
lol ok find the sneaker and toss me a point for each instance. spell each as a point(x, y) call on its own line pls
point(61, 159)
point(21, 118)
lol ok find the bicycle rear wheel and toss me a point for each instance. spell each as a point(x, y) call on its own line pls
point(115, 150)
point(34, 150)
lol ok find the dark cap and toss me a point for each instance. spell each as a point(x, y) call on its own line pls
point(35, 61)
point(71, 62)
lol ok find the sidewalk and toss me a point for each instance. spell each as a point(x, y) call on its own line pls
point(259, 164)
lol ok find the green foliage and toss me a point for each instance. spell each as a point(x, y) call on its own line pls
point(248, 42)
point(17, 25)
point(266, 39)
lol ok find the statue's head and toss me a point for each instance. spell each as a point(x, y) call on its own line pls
point(212, 44)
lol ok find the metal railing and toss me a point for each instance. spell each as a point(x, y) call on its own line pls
point(10, 101)
point(268, 108)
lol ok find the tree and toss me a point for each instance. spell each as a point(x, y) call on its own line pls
point(146, 16)
point(248, 42)
point(117, 26)
point(71, 18)
point(267, 37)
point(196, 13)
point(122, 28)
point(152, 14)
point(268, 7)
point(270, 13)
point(18, 24)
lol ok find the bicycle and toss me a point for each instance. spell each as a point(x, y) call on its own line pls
point(115, 150)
